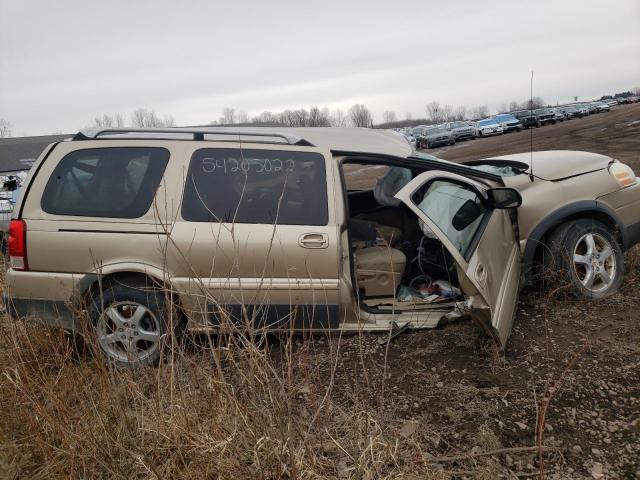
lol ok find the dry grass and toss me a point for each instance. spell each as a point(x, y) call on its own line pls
point(226, 408)
point(208, 411)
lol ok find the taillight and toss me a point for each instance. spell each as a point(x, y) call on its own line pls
point(18, 245)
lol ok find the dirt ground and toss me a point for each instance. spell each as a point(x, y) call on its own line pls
point(583, 357)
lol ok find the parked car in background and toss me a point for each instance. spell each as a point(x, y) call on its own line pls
point(593, 108)
point(410, 138)
point(10, 186)
point(545, 115)
point(633, 99)
point(527, 118)
point(488, 127)
point(509, 122)
point(435, 137)
point(419, 130)
point(461, 130)
point(611, 102)
point(559, 115)
point(571, 111)
point(583, 108)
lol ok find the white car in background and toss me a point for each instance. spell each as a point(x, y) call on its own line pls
point(488, 127)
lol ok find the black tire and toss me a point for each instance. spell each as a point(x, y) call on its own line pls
point(591, 272)
point(125, 340)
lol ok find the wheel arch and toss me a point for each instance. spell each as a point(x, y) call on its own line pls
point(587, 209)
point(130, 275)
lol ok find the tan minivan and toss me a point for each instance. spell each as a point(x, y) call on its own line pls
point(313, 229)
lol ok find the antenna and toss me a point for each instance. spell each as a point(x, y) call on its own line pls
point(531, 128)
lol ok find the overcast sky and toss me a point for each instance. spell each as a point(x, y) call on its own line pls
point(64, 62)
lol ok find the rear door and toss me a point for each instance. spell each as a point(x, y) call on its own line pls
point(480, 239)
point(256, 237)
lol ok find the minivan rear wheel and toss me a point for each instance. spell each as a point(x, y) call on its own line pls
point(587, 258)
point(130, 324)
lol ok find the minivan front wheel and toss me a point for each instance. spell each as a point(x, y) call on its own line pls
point(130, 325)
point(589, 258)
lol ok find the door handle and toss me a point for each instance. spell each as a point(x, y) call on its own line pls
point(314, 240)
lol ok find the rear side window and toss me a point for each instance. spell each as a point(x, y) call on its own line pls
point(118, 182)
point(256, 186)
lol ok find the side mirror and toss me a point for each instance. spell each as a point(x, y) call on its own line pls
point(503, 197)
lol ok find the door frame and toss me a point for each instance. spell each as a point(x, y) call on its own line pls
point(413, 163)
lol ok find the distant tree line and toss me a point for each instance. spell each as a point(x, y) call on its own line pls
point(357, 116)
point(628, 93)
point(141, 118)
point(5, 128)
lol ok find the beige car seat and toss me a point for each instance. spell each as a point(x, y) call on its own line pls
point(379, 270)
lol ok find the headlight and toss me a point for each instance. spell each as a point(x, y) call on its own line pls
point(622, 174)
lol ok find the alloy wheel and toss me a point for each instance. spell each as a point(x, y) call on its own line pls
point(594, 262)
point(128, 332)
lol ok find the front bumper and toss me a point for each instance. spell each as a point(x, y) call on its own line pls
point(464, 134)
point(632, 235)
point(625, 203)
point(434, 142)
point(510, 128)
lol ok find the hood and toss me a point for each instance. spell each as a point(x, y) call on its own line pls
point(551, 164)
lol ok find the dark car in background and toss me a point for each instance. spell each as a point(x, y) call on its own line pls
point(571, 111)
point(435, 137)
point(509, 122)
point(527, 118)
point(546, 116)
point(461, 130)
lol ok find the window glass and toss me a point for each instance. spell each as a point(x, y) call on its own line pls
point(256, 186)
point(118, 182)
point(456, 209)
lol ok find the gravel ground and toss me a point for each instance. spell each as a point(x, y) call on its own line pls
point(581, 359)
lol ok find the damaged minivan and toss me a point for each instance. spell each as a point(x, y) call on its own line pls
point(135, 234)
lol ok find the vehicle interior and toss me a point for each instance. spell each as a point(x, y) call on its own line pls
point(398, 263)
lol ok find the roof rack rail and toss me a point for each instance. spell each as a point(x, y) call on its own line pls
point(196, 134)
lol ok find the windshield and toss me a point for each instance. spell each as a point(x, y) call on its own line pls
point(435, 131)
point(459, 124)
point(483, 123)
point(506, 118)
point(501, 171)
